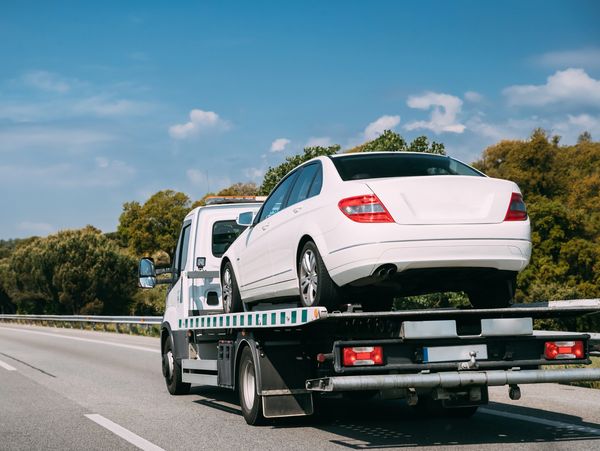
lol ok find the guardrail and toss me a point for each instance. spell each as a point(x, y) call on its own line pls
point(79, 320)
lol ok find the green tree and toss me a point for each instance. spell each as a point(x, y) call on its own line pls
point(72, 272)
point(154, 226)
point(237, 189)
point(275, 174)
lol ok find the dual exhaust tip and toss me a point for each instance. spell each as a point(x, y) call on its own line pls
point(385, 271)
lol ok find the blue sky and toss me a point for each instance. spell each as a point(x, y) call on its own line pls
point(107, 103)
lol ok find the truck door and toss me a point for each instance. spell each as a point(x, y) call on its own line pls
point(176, 297)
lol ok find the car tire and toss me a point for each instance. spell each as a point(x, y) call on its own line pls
point(250, 400)
point(171, 367)
point(316, 286)
point(232, 301)
point(497, 292)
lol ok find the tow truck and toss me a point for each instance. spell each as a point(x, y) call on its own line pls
point(282, 361)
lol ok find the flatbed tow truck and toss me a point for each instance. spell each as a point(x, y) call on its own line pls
point(282, 361)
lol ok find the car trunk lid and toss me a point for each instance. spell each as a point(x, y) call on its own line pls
point(444, 199)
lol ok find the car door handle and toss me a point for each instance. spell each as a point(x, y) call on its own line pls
point(265, 227)
point(297, 209)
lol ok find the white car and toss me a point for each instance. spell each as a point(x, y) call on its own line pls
point(363, 228)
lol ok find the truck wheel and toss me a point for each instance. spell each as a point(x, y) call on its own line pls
point(232, 301)
point(250, 400)
point(316, 287)
point(172, 371)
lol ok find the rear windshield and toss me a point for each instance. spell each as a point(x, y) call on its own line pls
point(398, 164)
point(223, 234)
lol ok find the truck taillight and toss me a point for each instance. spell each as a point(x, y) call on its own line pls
point(363, 356)
point(556, 350)
point(367, 208)
point(517, 211)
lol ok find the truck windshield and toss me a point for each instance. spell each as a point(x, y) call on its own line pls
point(398, 164)
point(223, 234)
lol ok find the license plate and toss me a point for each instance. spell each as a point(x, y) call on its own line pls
point(454, 353)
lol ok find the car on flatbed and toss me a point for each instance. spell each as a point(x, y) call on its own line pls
point(386, 224)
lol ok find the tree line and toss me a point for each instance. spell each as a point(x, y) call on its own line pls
point(89, 272)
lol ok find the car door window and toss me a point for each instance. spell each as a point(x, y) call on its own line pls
point(276, 200)
point(303, 182)
point(315, 187)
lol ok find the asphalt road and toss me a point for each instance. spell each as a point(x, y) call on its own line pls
point(69, 389)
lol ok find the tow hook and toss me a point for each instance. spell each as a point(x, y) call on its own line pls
point(471, 364)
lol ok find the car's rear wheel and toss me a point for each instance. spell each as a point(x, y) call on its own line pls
point(232, 301)
point(316, 286)
point(496, 292)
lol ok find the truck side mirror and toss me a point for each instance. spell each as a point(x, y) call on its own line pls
point(245, 219)
point(146, 273)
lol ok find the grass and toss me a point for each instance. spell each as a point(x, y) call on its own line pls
point(588, 384)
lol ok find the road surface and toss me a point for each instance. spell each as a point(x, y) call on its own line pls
point(69, 389)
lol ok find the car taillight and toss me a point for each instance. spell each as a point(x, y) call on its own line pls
point(367, 208)
point(363, 356)
point(556, 350)
point(517, 211)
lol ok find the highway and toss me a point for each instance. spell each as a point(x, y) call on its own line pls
point(69, 389)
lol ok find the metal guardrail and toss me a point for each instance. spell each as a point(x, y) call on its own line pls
point(86, 319)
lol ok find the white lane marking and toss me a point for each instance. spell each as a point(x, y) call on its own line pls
point(88, 340)
point(125, 434)
point(543, 421)
point(7, 367)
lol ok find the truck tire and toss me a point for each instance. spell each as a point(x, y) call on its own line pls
point(232, 301)
point(172, 371)
point(316, 286)
point(250, 400)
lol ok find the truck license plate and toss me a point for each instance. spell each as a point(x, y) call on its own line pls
point(454, 353)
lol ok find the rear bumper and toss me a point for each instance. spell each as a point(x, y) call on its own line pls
point(451, 379)
point(352, 263)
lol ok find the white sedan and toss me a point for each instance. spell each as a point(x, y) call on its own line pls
point(363, 228)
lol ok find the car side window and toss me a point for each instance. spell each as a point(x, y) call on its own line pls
point(315, 187)
point(277, 199)
point(303, 183)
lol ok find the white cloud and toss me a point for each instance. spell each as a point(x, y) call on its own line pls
point(570, 86)
point(50, 138)
point(573, 126)
point(473, 97)
point(200, 121)
point(377, 127)
point(46, 81)
point(316, 141)
point(105, 106)
point(36, 228)
point(207, 183)
point(586, 57)
point(279, 144)
point(443, 116)
point(254, 174)
point(68, 175)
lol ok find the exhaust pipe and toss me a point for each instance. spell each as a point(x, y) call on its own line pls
point(385, 271)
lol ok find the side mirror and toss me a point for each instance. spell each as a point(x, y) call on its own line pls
point(147, 273)
point(245, 219)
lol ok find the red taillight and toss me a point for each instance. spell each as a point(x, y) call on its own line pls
point(556, 350)
point(363, 356)
point(367, 208)
point(517, 211)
